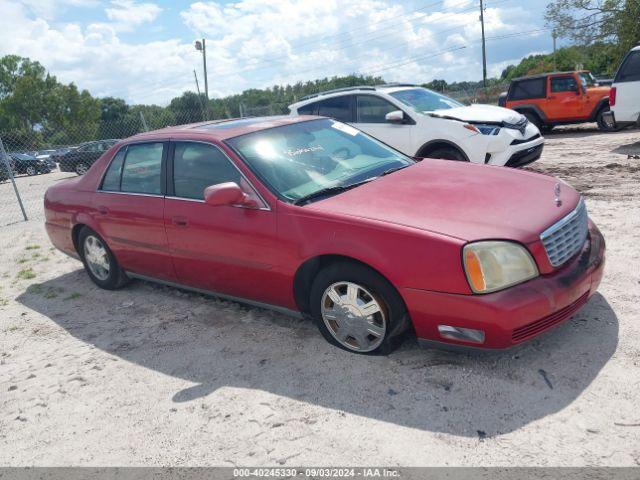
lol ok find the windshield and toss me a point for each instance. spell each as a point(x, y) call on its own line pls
point(303, 158)
point(587, 79)
point(423, 100)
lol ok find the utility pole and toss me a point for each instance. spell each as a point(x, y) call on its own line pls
point(201, 45)
point(554, 34)
point(484, 46)
point(204, 116)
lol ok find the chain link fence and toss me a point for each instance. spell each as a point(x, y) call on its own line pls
point(33, 159)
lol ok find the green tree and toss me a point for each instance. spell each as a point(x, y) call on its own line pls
point(590, 22)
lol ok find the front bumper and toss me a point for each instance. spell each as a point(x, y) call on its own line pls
point(517, 314)
point(525, 157)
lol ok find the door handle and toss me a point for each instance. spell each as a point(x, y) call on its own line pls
point(552, 97)
point(180, 222)
point(103, 210)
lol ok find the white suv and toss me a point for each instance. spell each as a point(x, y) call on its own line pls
point(422, 123)
point(624, 98)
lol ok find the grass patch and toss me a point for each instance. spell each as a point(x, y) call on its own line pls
point(73, 296)
point(35, 289)
point(12, 328)
point(32, 247)
point(26, 274)
point(22, 260)
point(35, 255)
point(4, 302)
point(49, 294)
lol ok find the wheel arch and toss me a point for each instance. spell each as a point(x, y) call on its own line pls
point(307, 271)
point(432, 145)
point(602, 104)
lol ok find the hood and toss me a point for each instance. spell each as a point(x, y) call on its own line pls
point(457, 199)
point(603, 91)
point(480, 114)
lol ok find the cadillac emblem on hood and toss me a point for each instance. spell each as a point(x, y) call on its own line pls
point(557, 191)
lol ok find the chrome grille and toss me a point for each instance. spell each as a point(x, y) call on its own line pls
point(565, 238)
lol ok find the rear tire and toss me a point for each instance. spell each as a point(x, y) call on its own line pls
point(31, 171)
point(99, 262)
point(369, 321)
point(447, 153)
point(536, 120)
point(602, 125)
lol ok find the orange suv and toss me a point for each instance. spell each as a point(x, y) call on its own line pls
point(559, 98)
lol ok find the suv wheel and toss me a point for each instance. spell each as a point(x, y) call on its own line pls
point(535, 119)
point(358, 310)
point(447, 153)
point(602, 124)
point(31, 170)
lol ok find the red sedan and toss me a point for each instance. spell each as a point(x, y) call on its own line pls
point(313, 217)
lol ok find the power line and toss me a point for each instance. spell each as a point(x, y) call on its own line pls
point(284, 59)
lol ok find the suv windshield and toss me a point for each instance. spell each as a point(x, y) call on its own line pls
point(423, 100)
point(587, 79)
point(301, 159)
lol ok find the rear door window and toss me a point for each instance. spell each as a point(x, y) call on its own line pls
point(338, 108)
point(630, 69)
point(372, 109)
point(310, 109)
point(142, 169)
point(527, 89)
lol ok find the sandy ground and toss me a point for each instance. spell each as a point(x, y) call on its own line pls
point(151, 375)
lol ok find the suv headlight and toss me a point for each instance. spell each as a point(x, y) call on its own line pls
point(495, 265)
point(483, 129)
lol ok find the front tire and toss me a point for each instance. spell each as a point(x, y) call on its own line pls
point(99, 262)
point(447, 153)
point(31, 171)
point(357, 309)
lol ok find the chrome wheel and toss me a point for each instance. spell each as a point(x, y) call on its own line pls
point(96, 257)
point(354, 316)
point(31, 171)
point(81, 169)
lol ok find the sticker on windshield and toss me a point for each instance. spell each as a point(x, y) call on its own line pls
point(299, 151)
point(345, 128)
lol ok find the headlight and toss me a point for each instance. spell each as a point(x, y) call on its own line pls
point(495, 265)
point(483, 129)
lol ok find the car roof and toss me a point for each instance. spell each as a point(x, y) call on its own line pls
point(337, 92)
point(550, 74)
point(227, 128)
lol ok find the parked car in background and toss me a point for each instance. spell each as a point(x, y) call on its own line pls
point(311, 216)
point(559, 98)
point(79, 159)
point(423, 123)
point(21, 163)
point(625, 93)
point(4, 172)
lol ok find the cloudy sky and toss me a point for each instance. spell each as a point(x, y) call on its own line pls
point(143, 50)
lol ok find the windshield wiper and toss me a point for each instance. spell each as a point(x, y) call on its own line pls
point(330, 190)
point(391, 170)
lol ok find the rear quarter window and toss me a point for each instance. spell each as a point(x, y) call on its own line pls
point(630, 68)
point(528, 89)
point(338, 108)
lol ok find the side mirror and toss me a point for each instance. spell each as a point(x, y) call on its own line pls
point(397, 116)
point(228, 194)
